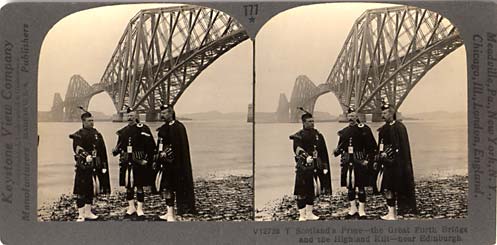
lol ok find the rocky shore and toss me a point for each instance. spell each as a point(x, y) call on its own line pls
point(437, 198)
point(220, 199)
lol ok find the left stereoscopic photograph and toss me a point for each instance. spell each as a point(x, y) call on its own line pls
point(133, 123)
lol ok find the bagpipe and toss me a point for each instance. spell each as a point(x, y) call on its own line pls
point(355, 159)
point(87, 161)
point(130, 156)
point(386, 159)
point(164, 152)
point(350, 157)
point(92, 163)
point(306, 162)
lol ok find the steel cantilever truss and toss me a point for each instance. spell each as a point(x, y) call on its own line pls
point(385, 55)
point(304, 94)
point(79, 93)
point(159, 55)
point(163, 50)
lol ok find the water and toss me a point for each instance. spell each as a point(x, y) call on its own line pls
point(221, 148)
point(437, 148)
point(217, 148)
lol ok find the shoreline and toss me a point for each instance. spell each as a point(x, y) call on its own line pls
point(444, 197)
point(222, 199)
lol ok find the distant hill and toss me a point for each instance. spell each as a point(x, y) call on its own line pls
point(271, 117)
point(45, 116)
point(100, 116)
point(324, 116)
point(215, 115)
point(437, 115)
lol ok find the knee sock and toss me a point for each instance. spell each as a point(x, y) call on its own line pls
point(80, 201)
point(130, 194)
point(140, 196)
point(170, 200)
point(309, 200)
point(391, 202)
point(301, 203)
point(351, 194)
point(362, 195)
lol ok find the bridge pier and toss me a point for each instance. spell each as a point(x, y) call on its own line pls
point(118, 117)
point(343, 117)
point(250, 113)
point(376, 117)
point(152, 116)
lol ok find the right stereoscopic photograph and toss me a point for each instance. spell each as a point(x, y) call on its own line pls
point(360, 114)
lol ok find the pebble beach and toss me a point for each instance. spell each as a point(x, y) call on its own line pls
point(218, 199)
point(436, 197)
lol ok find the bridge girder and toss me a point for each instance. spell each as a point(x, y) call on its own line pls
point(385, 55)
point(159, 55)
point(163, 50)
point(78, 94)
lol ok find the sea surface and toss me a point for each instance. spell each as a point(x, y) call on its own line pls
point(222, 147)
point(438, 148)
point(217, 148)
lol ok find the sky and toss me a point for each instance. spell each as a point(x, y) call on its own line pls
point(83, 42)
point(306, 41)
point(300, 41)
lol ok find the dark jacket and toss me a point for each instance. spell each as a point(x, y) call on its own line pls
point(398, 172)
point(92, 143)
point(177, 170)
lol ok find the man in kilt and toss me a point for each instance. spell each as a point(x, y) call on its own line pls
point(174, 177)
point(92, 176)
point(136, 147)
point(312, 171)
point(357, 146)
point(396, 177)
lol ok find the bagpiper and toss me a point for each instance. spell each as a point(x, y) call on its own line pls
point(174, 177)
point(91, 171)
point(312, 170)
point(396, 177)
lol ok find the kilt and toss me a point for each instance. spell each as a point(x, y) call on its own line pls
point(391, 178)
point(134, 175)
point(360, 176)
point(304, 183)
point(83, 182)
point(169, 176)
